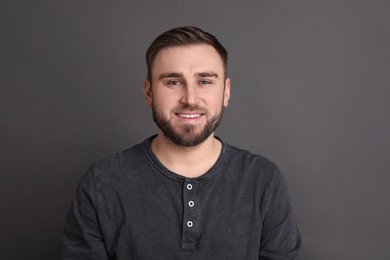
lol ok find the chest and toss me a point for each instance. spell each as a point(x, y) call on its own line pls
point(218, 219)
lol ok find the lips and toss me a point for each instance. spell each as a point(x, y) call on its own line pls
point(189, 116)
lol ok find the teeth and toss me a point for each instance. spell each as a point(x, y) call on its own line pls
point(190, 115)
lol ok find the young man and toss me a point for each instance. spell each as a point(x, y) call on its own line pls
point(183, 193)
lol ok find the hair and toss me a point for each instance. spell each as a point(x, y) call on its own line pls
point(181, 36)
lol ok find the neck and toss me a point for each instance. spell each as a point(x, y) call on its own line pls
point(187, 161)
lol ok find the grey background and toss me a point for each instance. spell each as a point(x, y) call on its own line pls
point(310, 91)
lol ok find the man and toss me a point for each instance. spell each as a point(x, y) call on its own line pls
point(183, 193)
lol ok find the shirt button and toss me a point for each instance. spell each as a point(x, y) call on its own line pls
point(189, 186)
point(190, 224)
point(191, 203)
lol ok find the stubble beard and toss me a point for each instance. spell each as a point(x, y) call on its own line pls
point(186, 135)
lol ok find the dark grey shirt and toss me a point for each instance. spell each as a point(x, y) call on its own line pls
point(129, 206)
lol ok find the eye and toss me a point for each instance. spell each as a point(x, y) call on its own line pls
point(173, 82)
point(205, 82)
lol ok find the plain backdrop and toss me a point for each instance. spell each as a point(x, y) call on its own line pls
point(310, 91)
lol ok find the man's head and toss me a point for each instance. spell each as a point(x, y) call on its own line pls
point(187, 86)
point(182, 36)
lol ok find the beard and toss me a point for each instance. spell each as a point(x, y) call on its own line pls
point(186, 135)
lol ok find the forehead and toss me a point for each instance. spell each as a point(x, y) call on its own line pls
point(188, 57)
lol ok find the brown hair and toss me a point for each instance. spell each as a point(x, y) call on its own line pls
point(183, 36)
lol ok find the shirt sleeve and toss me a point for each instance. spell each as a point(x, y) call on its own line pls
point(280, 239)
point(82, 234)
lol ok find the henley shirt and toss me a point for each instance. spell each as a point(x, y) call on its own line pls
point(130, 206)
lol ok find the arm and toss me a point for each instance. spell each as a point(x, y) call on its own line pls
point(82, 235)
point(280, 238)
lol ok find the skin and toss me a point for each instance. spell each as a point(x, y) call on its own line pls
point(188, 88)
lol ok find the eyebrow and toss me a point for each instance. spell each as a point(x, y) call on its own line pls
point(207, 74)
point(170, 75)
point(179, 75)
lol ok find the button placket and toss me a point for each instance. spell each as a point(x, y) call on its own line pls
point(189, 216)
point(190, 203)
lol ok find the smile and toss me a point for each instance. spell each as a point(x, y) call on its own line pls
point(189, 116)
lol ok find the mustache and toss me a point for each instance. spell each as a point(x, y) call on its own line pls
point(188, 108)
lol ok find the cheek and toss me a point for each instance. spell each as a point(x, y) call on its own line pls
point(165, 102)
point(217, 105)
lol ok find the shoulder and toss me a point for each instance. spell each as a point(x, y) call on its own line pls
point(116, 166)
point(120, 160)
point(248, 160)
point(253, 167)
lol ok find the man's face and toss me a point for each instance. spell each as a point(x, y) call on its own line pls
point(188, 92)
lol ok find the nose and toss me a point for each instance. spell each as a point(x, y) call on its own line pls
point(190, 95)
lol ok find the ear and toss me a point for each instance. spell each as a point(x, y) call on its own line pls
point(226, 94)
point(148, 94)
